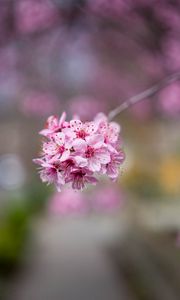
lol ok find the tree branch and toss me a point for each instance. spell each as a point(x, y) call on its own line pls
point(144, 95)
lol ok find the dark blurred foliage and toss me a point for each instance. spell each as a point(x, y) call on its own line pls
point(15, 225)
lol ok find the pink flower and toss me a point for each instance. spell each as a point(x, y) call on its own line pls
point(80, 178)
point(52, 175)
point(37, 103)
point(107, 198)
point(83, 129)
point(53, 125)
point(96, 153)
point(113, 165)
point(108, 8)
point(76, 152)
point(32, 15)
point(169, 100)
point(110, 131)
point(69, 202)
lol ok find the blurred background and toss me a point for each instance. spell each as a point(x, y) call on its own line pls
point(115, 241)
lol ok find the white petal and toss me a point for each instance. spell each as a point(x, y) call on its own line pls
point(65, 155)
point(96, 140)
point(62, 118)
point(79, 145)
point(59, 138)
point(81, 161)
point(76, 125)
point(100, 117)
point(69, 133)
point(38, 161)
point(115, 127)
point(45, 132)
point(111, 148)
point(94, 165)
point(103, 156)
point(90, 127)
point(60, 178)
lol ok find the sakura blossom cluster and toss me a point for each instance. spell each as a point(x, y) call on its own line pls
point(75, 152)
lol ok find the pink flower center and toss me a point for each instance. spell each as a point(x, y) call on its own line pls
point(80, 174)
point(89, 152)
point(61, 149)
point(81, 134)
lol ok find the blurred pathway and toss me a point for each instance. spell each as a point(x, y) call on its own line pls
point(68, 262)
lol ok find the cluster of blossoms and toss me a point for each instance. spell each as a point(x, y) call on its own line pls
point(75, 152)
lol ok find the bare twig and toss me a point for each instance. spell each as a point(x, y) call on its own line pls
point(144, 95)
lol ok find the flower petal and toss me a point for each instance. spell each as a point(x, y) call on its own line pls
point(80, 161)
point(45, 132)
point(79, 145)
point(90, 127)
point(38, 161)
point(59, 138)
point(62, 119)
point(52, 122)
point(103, 156)
point(115, 127)
point(94, 164)
point(95, 141)
point(65, 155)
point(91, 179)
point(76, 125)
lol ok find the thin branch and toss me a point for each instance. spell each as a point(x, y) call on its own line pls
point(144, 95)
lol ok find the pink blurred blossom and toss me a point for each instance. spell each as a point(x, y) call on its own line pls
point(108, 8)
point(169, 100)
point(107, 198)
point(69, 202)
point(8, 58)
point(172, 50)
point(39, 104)
point(10, 77)
point(169, 15)
point(33, 15)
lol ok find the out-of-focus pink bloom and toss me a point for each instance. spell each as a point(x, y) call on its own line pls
point(108, 8)
point(8, 58)
point(76, 152)
point(107, 199)
point(39, 104)
point(86, 106)
point(169, 100)
point(172, 50)
point(168, 14)
point(69, 202)
point(33, 15)
point(10, 79)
